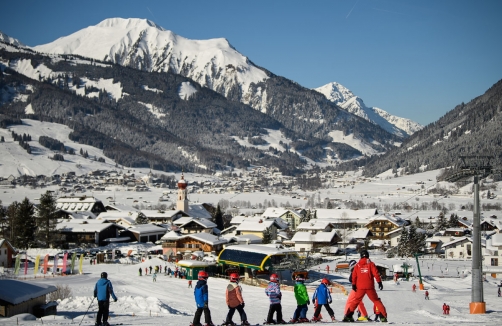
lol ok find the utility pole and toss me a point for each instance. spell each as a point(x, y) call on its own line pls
point(476, 167)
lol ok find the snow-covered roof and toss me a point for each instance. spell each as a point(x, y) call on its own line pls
point(309, 237)
point(83, 225)
point(171, 235)
point(146, 228)
point(314, 224)
point(114, 215)
point(16, 292)
point(361, 233)
point(204, 222)
point(207, 238)
point(194, 263)
point(153, 213)
point(198, 210)
point(256, 225)
point(349, 214)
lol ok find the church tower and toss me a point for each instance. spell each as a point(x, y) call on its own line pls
point(182, 203)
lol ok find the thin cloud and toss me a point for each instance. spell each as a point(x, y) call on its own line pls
point(352, 9)
point(151, 13)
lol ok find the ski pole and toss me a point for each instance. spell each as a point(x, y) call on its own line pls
point(86, 311)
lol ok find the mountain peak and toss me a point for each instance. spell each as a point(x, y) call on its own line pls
point(129, 23)
point(9, 40)
point(343, 97)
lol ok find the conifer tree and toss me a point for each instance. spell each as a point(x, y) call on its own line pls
point(453, 221)
point(267, 236)
point(46, 220)
point(403, 243)
point(24, 225)
point(141, 219)
point(218, 218)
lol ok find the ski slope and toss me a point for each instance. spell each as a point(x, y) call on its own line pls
point(169, 301)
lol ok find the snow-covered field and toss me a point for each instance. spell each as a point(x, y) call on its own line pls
point(169, 301)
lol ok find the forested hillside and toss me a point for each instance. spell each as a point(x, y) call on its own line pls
point(469, 129)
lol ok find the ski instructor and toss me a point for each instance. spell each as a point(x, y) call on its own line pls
point(362, 283)
point(102, 290)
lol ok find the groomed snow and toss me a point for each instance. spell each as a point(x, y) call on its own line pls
point(169, 301)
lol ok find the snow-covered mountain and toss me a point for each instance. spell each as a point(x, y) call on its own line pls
point(344, 98)
point(142, 44)
point(10, 40)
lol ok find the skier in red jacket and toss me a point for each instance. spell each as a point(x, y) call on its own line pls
point(362, 283)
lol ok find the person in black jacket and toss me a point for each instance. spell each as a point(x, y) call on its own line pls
point(103, 290)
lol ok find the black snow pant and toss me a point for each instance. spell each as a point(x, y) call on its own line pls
point(328, 308)
point(241, 311)
point(198, 314)
point(103, 310)
point(273, 308)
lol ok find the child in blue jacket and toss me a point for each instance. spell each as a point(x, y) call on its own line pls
point(201, 299)
point(323, 299)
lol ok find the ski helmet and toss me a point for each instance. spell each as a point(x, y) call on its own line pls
point(203, 275)
point(274, 278)
point(104, 275)
point(365, 253)
point(352, 263)
point(325, 281)
point(234, 277)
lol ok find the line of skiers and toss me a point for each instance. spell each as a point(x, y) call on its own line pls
point(363, 274)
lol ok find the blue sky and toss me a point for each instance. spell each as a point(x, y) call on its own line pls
point(414, 59)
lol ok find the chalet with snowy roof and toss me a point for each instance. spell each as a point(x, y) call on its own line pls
point(195, 225)
point(87, 231)
point(6, 252)
point(381, 225)
point(18, 297)
point(291, 217)
point(461, 248)
point(163, 216)
point(257, 226)
point(313, 242)
point(116, 216)
point(315, 225)
point(81, 204)
point(489, 225)
point(176, 245)
point(456, 232)
point(144, 232)
point(346, 218)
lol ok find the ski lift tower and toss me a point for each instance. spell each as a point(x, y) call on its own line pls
point(473, 166)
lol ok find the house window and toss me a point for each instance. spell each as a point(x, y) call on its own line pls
point(462, 245)
point(494, 262)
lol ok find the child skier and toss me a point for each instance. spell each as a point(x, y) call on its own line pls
point(426, 295)
point(361, 308)
point(154, 276)
point(302, 300)
point(201, 295)
point(444, 308)
point(140, 270)
point(414, 288)
point(235, 301)
point(323, 299)
point(273, 291)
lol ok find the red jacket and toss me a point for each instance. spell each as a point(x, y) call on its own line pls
point(363, 274)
